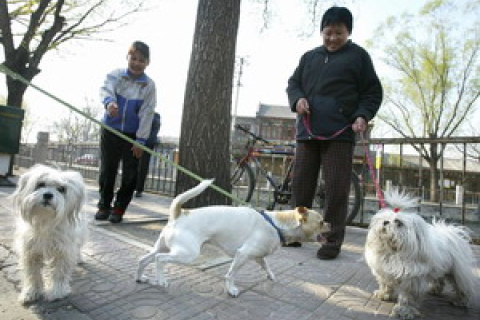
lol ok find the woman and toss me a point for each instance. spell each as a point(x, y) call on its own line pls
point(335, 91)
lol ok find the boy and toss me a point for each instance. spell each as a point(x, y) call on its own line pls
point(129, 98)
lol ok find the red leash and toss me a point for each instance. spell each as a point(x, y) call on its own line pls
point(372, 174)
point(306, 122)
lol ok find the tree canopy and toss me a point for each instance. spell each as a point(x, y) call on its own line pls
point(31, 28)
point(435, 84)
point(435, 57)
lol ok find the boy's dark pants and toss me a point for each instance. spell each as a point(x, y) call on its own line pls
point(144, 163)
point(114, 149)
point(335, 158)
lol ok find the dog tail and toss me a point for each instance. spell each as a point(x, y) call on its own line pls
point(176, 206)
point(459, 241)
point(400, 199)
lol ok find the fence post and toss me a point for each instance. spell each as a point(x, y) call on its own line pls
point(458, 195)
point(40, 153)
point(388, 185)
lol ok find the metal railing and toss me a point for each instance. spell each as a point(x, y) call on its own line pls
point(457, 193)
point(85, 158)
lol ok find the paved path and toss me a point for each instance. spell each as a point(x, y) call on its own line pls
point(306, 288)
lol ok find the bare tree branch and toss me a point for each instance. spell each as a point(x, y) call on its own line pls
point(43, 25)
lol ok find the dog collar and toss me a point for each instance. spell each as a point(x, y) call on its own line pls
point(269, 220)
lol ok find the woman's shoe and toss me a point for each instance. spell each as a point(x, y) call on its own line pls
point(328, 252)
point(292, 244)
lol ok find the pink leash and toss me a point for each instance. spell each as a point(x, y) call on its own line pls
point(306, 122)
point(372, 174)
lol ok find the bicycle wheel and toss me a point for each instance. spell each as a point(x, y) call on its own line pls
point(354, 198)
point(243, 180)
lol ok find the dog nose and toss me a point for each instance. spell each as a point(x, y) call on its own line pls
point(48, 196)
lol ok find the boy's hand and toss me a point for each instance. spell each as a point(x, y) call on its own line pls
point(112, 109)
point(137, 152)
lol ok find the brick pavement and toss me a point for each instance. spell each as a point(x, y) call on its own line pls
point(306, 288)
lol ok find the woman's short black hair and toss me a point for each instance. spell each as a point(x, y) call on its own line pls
point(140, 47)
point(336, 15)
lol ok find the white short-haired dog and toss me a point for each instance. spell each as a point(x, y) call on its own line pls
point(241, 232)
point(409, 256)
point(50, 231)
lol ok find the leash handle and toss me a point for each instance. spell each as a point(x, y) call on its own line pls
point(372, 173)
point(306, 123)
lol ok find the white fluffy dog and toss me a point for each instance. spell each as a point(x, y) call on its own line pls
point(241, 232)
point(409, 256)
point(50, 231)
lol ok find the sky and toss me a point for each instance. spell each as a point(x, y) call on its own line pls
point(76, 72)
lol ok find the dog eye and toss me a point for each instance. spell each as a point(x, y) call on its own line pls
point(398, 223)
point(385, 223)
point(40, 185)
point(61, 189)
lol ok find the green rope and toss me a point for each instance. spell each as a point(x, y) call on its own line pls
point(18, 77)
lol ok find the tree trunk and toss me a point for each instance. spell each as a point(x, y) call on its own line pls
point(205, 133)
point(16, 90)
point(434, 174)
point(18, 62)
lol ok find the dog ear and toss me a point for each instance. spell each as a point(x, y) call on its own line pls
point(303, 213)
point(21, 186)
point(77, 192)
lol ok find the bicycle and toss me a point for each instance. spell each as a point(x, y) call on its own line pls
point(244, 179)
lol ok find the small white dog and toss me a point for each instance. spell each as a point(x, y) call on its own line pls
point(409, 256)
point(241, 232)
point(50, 231)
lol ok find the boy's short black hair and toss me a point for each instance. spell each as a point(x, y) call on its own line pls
point(336, 15)
point(140, 47)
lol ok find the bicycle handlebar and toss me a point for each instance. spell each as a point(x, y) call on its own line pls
point(245, 130)
point(239, 127)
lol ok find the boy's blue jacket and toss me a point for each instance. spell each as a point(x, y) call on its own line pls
point(136, 99)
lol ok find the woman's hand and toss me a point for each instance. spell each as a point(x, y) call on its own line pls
point(302, 106)
point(360, 125)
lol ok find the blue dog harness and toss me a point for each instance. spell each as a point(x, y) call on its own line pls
point(269, 220)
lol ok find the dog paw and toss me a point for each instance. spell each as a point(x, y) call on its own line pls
point(58, 293)
point(233, 292)
point(272, 278)
point(29, 295)
point(405, 312)
point(382, 295)
point(159, 282)
point(436, 288)
point(436, 291)
point(461, 302)
point(142, 279)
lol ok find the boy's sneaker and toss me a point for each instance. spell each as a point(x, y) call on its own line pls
point(138, 194)
point(116, 215)
point(102, 214)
